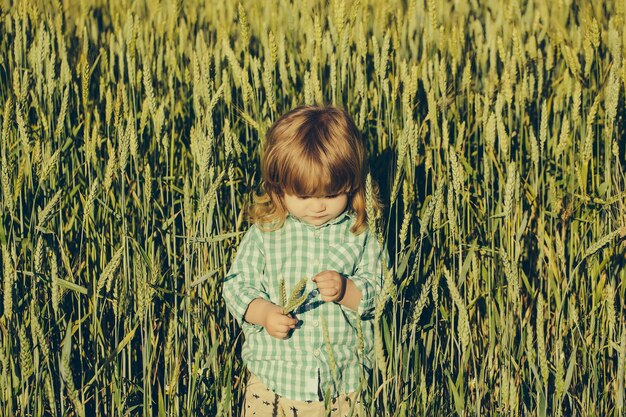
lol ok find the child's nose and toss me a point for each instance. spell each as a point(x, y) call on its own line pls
point(318, 205)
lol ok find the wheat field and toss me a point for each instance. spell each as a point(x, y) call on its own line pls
point(130, 142)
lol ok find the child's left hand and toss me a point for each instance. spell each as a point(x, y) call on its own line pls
point(331, 285)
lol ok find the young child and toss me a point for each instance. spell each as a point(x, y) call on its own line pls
point(309, 222)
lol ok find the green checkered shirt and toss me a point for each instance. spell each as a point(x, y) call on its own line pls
point(299, 367)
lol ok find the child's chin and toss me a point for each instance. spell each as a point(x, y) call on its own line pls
point(317, 221)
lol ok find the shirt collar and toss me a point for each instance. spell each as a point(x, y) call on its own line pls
point(346, 215)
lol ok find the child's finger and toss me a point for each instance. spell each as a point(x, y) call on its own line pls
point(328, 299)
point(319, 279)
point(281, 330)
point(327, 284)
point(325, 289)
point(280, 335)
point(285, 329)
point(322, 276)
point(320, 284)
point(288, 321)
point(329, 291)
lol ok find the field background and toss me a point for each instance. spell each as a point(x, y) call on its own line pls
point(130, 142)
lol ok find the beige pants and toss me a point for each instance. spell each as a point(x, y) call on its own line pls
point(260, 401)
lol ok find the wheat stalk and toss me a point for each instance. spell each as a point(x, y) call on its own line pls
point(438, 206)
point(8, 267)
point(559, 376)
point(564, 137)
point(109, 172)
point(621, 373)
point(48, 164)
point(576, 102)
point(89, 203)
point(508, 81)
point(509, 191)
point(132, 137)
point(530, 349)
point(543, 129)
point(534, 148)
point(106, 277)
point(604, 240)
point(66, 373)
point(268, 84)
point(457, 171)
point(422, 301)
point(490, 132)
point(403, 145)
point(541, 341)
point(451, 209)
point(503, 137)
point(37, 332)
point(379, 351)
point(404, 228)
point(21, 125)
point(332, 362)
point(85, 75)
point(170, 339)
point(149, 90)
point(46, 213)
point(147, 190)
point(504, 390)
point(386, 293)
point(463, 326)
point(26, 358)
point(55, 293)
point(296, 297)
point(244, 26)
point(49, 391)
point(282, 291)
point(188, 210)
point(6, 184)
point(609, 308)
point(108, 108)
point(39, 248)
point(116, 300)
point(209, 198)
point(62, 114)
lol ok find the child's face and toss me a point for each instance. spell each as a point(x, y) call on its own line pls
point(316, 210)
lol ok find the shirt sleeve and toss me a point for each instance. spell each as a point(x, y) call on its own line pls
point(368, 275)
point(243, 282)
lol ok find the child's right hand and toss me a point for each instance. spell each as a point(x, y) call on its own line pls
point(277, 324)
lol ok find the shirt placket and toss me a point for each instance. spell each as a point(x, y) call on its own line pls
point(314, 331)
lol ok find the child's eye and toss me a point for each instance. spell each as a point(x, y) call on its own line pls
point(307, 197)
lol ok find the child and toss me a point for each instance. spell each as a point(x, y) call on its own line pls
point(309, 222)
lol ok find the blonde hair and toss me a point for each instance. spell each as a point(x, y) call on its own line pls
point(311, 151)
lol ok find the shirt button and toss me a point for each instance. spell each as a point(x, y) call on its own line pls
point(316, 323)
point(315, 292)
point(317, 233)
point(316, 353)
